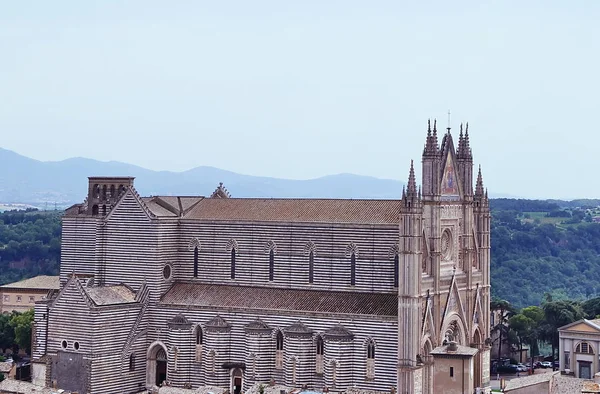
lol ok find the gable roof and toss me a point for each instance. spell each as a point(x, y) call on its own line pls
point(592, 324)
point(267, 298)
point(297, 210)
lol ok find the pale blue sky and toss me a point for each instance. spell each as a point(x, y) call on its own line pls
point(307, 88)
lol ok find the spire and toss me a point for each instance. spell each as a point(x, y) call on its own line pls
point(412, 183)
point(467, 147)
point(461, 142)
point(479, 184)
point(431, 141)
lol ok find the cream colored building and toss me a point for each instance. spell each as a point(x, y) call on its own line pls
point(578, 348)
point(21, 296)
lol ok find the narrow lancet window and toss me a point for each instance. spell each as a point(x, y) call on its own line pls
point(353, 269)
point(396, 270)
point(196, 262)
point(320, 351)
point(370, 360)
point(279, 350)
point(271, 265)
point(311, 266)
point(232, 263)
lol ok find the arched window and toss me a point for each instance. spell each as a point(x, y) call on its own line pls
point(103, 210)
point(279, 350)
point(104, 192)
point(320, 346)
point(112, 191)
point(199, 339)
point(95, 210)
point(371, 349)
point(396, 270)
point(311, 266)
point(198, 335)
point(279, 340)
point(271, 265)
point(195, 262)
point(370, 360)
point(320, 351)
point(584, 347)
point(232, 263)
point(353, 269)
point(97, 191)
point(132, 362)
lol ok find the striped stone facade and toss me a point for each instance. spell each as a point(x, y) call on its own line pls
point(231, 292)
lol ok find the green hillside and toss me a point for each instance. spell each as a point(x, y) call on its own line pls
point(544, 246)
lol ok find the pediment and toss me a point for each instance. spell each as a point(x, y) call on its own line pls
point(581, 326)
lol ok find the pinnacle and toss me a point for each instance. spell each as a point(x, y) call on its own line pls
point(412, 183)
point(431, 146)
point(479, 184)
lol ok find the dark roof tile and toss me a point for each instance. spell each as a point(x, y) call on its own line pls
point(265, 298)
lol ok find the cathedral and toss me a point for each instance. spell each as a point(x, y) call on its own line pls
point(328, 294)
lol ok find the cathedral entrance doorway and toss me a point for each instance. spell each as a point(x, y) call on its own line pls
point(156, 372)
point(237, 376)
point(161, 367)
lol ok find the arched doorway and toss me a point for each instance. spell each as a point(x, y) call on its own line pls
point(237, 380)
point(427, 367)
point(156, 373)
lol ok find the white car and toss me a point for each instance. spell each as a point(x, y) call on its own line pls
point(546, 364)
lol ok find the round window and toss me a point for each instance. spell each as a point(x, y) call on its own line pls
point(446, 247)
point(64, 344)
point(76, 345)
point(167, 271)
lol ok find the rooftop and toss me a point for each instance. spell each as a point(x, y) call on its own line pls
point(458, 351)
point(41, 282)
point(110, 295)
point(268, 298)
point(297, 210)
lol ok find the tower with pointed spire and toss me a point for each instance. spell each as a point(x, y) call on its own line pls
point(444, 244)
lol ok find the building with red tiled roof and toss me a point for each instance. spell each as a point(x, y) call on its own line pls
point(230, 292)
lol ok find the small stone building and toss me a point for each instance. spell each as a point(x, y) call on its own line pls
point(579, 344)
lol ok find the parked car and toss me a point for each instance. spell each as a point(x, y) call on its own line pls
point(511, 368)
point(546, 364)
point(522, 367)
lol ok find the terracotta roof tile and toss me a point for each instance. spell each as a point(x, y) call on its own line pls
point(43, 282)
point(109, 295)
point(297, 210)
point(265, 298)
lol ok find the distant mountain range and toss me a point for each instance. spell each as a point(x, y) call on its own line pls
point(30, 181)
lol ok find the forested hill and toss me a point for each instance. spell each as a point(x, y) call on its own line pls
point(537, 247)
point(545, 246)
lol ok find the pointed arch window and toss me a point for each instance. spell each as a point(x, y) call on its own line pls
point(370, 375)
point(396, 270)
point(279, 350)
point(232, 263)
point(112, 191)
point(271, 265)
point(132, 362)
point(320, 350)
point(311, 267)
point(199, 340)
point(353, 269)
point(195, 261)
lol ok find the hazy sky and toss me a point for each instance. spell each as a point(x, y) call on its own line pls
point(301, 89)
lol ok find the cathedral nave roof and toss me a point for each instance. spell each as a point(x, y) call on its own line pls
point(281, 299)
